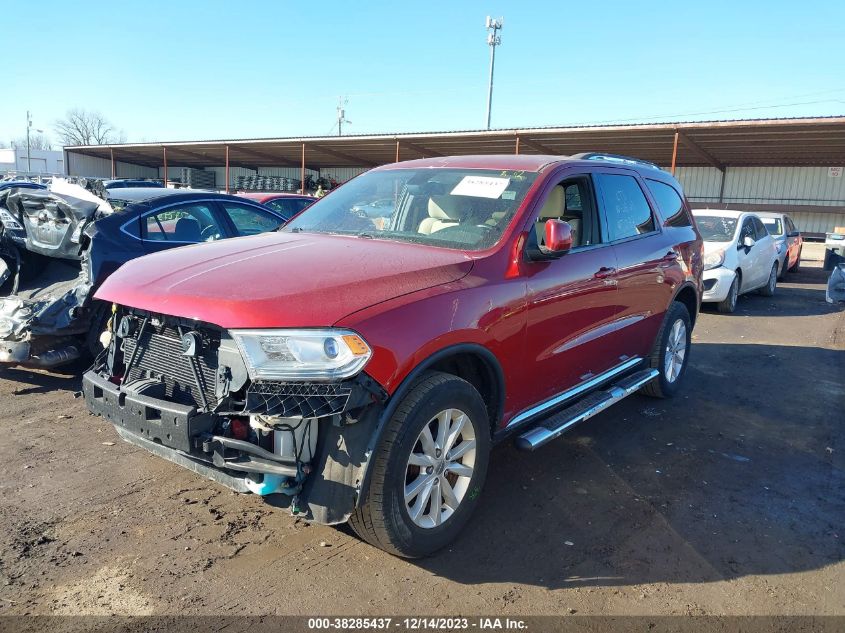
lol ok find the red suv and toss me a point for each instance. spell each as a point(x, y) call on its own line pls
point(359, 363)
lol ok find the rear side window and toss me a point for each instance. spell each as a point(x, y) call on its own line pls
point(670, 204)
point(288, 207)
point(189, 223)
point(249, 220)
point(625, 206)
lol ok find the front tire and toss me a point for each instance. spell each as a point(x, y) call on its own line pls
point(728, 304)
point(769, 289)
point(428, 469)
point(671, 352)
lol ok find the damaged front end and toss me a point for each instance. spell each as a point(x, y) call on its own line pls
point(45, 310)
point(192, 393)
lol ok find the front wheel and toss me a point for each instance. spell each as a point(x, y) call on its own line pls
point(728, 304)
point(428, 470)
point(671, 352)
point(769, 289)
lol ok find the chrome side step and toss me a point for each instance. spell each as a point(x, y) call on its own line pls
point(559, 423)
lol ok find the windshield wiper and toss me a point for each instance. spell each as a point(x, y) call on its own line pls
point(366, 234)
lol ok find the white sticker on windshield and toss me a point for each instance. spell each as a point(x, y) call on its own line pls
point(481, 186)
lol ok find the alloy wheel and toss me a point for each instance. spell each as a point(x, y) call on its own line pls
point(676, 351)
point(440, 468)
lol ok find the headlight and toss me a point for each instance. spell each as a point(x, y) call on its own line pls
point(325, 354)
point(9, 222)
point(714, 259)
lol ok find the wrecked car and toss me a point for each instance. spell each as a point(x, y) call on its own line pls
point(57, 248)
point(358, 367)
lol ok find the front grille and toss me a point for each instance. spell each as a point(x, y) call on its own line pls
point(159, 357)
point(289, 399)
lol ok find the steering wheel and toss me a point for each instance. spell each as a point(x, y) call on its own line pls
point(484, 226)
point(209, 232)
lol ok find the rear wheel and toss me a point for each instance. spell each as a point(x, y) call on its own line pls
point(796, 265)
point(428, 470)
point(671, 352)
point(728, 304)
point(769, 289)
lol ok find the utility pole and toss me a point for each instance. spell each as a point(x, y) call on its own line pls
point(341, 115)
point(28, 157)
point(493, 40)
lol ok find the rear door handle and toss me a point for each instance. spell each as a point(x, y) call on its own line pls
point(669, 258)
point(604, 272)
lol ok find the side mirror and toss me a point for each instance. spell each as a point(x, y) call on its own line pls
point(558, 236)
point(794, 234)
point(747, 242)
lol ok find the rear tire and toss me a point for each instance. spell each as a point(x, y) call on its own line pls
point(769, 289)
point(796, 265)
point(671, 351)
point(728, 304)
point(410, 525)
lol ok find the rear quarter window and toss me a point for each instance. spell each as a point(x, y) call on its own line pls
point(670, 203)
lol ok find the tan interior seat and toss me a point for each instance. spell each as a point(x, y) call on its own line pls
point(443, 211)
point(553, 208)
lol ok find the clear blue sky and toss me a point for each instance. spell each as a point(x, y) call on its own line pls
point(208, 70)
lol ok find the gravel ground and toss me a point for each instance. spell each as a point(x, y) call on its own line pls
point(728, 499)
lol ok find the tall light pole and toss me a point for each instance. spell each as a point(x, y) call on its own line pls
point(28, 151)
point(493, 40)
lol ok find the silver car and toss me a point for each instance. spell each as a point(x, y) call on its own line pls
point(787, 239)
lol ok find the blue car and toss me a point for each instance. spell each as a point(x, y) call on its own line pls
point(55, 251)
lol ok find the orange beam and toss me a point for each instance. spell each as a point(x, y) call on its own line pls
point(397, 151)
point(227, 169)
point(516, 151)
point(675, 152)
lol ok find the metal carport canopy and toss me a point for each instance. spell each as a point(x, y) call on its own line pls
point(744, 143)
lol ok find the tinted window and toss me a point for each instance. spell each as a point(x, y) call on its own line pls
point(759, 229)
point(250, 220)
point(188, 223)
point(625, 205)
point(670, 204)
point(288, 207)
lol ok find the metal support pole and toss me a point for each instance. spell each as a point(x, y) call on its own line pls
point(722, 185)
point(164, 149)
point(397, 151)
point(113, 170)
point(516, 151)
point(28, 157)
point(303, 168)
point(227, 169)
point(675, 152)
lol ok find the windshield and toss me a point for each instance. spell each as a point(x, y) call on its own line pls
point(465, 209)
point(774, 225)
point(714, 228)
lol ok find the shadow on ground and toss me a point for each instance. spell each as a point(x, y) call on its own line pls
point(718, 483)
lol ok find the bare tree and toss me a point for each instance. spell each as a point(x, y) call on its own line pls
point(87, 127)
point(36, 141)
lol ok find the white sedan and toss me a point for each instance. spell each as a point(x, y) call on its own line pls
point(739, 256)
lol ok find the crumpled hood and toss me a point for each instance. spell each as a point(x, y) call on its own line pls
point(280, 279)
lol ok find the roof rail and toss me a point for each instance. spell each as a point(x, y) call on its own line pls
point(615, 158)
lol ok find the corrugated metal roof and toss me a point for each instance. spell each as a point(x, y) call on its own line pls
point(739, 142)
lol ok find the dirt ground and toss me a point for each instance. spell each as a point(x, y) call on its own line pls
point(728, 499)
